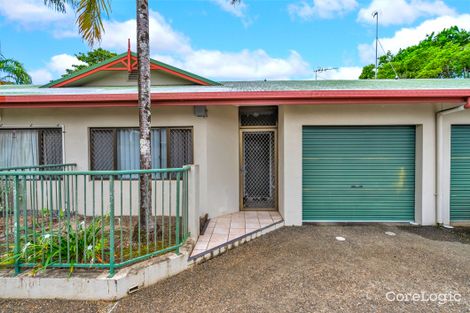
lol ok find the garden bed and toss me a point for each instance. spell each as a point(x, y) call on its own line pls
point(49, 239)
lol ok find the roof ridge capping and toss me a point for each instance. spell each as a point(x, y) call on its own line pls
point(63, 81)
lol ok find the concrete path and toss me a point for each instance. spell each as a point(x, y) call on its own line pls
point(306, 269)
point(232, 226)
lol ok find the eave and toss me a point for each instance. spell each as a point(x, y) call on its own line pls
point(457, 96)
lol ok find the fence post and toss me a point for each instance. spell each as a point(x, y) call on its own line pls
point(178, 200)
point(16, 212)
point(193, 201)
point(185, 203)
point(111, 227)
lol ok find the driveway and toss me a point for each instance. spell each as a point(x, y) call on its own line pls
point(305, 269)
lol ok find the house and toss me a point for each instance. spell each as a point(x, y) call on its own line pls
point(316, 151)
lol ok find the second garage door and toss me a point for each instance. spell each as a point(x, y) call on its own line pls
point(363, 173)
point(460, 174)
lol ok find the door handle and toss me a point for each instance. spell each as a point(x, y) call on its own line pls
point(356, 186)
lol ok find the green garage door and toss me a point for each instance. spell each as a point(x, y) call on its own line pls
point(363, 173)
point(460, 173)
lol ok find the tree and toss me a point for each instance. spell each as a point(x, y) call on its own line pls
point(13, 72)
point(442, 55)
point(90, 25)
point(145, 113)
point(90, 58)
point(368, 72)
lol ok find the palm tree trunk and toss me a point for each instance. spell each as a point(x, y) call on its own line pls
point(143, 57)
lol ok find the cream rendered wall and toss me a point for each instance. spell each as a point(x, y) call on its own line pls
point(215, 142)
point(462, 117)
point(216, 145)
point(222, 160)
point(292, 118)
point(281, 156)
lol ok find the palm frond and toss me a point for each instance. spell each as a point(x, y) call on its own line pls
point(60, 5)
point(14, 72)
point(90, 19)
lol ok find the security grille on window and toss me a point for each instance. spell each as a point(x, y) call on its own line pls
point(181, 147)
point(29, 147)
point(258, 116)
point(118, 148)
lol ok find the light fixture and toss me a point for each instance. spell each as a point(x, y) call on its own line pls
point(200, 111)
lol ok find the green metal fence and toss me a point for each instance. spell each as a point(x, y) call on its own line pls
point(48, 167)
point(85, 219)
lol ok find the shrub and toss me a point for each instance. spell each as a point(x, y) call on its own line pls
point(66, 244)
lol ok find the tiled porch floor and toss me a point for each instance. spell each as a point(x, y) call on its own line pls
point(232, 226)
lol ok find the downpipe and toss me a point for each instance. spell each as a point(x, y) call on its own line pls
point(440, 155)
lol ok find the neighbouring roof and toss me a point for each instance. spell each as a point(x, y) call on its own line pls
point(253, 86)
point(127, 63)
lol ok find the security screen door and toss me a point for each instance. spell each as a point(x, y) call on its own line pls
point(258, 169)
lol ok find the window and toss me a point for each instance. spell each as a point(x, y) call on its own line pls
point(30, 147)
point(118, 148)
point(258, 116)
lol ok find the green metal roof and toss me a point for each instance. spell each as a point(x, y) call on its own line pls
point(399, 84)
point(88, 69)
point(247, 86)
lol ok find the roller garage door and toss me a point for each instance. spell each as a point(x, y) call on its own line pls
point(359, 173)
point(460, 173)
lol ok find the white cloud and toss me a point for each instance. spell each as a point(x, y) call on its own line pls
point(396, 12)
point(242, 65)
point(322, 8)
point(33, 14)
point(175, 48)
point(59, 63)
point(162, 36)
point(238, 9)
point(55, 67)
point(342, 73)
point(406, 37)
point(30, 12)
point(41, 76)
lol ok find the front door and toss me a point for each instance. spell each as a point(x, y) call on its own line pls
point(258, 169)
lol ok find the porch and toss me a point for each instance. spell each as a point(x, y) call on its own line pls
point(231, 229)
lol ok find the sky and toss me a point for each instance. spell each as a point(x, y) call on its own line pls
point(254, 40)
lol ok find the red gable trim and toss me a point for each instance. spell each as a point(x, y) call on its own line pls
point(167, 70)
point(241, 98)
point(98, 69)
point(129, 63)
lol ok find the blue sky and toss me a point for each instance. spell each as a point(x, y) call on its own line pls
point(257, 39)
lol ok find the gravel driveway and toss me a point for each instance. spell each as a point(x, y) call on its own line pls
point(305, 269)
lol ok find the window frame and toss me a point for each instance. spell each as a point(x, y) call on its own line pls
point(40, 130)
point(115, 148)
